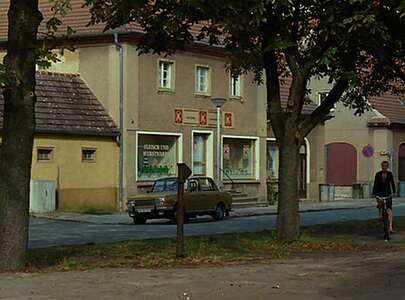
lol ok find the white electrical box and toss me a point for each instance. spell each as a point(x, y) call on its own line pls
point(42, 196)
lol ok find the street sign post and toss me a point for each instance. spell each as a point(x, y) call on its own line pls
point(183, 172)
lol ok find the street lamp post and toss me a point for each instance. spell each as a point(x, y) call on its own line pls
point(218, 103)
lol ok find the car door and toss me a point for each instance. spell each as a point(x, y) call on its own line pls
point(192, 195)
point(208, 195)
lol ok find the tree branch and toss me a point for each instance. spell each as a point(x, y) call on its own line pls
point(309, 123)
point(274, 109)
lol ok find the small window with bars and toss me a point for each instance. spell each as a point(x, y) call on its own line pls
point(44, 154)
point(88, 155)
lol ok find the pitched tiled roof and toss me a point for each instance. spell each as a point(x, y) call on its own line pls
point(309, 105)
point(66, 105)
point(77, 18)
point(392, 107)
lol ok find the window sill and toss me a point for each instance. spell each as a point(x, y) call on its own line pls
point(242, 181)
point(145, 183)
point(202, 95)
point(236, 98)
point(166, 91)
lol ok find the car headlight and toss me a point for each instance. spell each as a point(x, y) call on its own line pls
point(161, 201)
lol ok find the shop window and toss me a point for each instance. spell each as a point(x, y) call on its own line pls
point(166, 78)
point(239, 158)
point(89, 155)
point(272, 160)
point(202, 80)
point(200, 154)
point(157, 156)
point(45, 154)
point(235, 85)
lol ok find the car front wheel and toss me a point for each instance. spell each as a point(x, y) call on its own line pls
point(139, 219)
point(219, 213)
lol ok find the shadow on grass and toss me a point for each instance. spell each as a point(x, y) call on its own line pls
point(341, 237)
point(366, 228)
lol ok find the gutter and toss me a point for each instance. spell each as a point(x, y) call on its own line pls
point(121, 123)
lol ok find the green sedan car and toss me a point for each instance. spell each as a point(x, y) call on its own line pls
point(201, 197)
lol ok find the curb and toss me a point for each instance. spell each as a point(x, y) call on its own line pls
point(233, 216)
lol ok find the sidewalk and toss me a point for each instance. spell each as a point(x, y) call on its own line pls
point(305, 206)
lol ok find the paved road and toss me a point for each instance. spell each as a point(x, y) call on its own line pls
point(45, 233)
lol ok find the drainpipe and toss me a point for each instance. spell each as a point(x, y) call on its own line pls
point(121, 117)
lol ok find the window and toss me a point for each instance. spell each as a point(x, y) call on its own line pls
point(44, 154)
point(239, 158)
point(157, 156)
point(166, 78)
point(200, 154)
point(89, 155)
point(235, 85)
point(206, 184)
point(322, 96)
point(202, 80)
point(272, 160)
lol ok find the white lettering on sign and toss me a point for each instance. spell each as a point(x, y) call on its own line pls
point(156, 147)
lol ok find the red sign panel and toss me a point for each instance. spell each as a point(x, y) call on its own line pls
point(203, 117)
point(178, 116)
point(228, 122)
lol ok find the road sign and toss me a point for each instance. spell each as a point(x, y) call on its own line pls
point(368, 151)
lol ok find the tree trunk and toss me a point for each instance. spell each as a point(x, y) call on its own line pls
point(18, 132)
point(288, 223)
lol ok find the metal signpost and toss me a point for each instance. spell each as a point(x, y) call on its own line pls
point(218, 102)
point(183, 172)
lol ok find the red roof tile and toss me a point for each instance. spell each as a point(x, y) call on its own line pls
point(66, 105)
point(392, 107)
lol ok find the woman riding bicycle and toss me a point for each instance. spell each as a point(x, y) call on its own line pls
point(384, 186)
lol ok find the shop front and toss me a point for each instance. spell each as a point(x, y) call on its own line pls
point(157, 155)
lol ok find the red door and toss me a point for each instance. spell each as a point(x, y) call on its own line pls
point(341, 164)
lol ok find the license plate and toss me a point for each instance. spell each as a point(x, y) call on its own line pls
point(143, 210)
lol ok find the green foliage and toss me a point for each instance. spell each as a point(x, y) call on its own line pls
point(333, 39)
point(51, 37)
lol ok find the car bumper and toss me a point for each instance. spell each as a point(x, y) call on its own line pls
point(150, 212)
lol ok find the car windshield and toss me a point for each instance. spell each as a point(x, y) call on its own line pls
point(165, 185)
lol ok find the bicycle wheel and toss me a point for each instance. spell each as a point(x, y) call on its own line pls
point(386, 229)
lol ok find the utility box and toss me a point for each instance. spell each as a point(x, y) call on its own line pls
point(42, 196)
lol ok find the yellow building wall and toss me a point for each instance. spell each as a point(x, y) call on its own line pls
point(82, 186)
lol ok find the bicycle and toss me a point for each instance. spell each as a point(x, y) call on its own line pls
point(383, 201)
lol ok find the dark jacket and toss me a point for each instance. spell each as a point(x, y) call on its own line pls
point(384, 188)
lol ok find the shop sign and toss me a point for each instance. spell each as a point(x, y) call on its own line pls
point(368, 151)
point(227, 151)
point(155, 150)
point(201, 118)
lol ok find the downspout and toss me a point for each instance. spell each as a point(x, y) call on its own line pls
point(121, 117)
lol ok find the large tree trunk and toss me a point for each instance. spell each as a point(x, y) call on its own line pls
point(18, 132)
point(288, 223)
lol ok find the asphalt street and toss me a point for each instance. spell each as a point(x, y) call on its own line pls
point(45, 233)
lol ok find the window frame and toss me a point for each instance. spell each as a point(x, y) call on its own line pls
point(172, 77)
point(179, 149)
point(256, 157)
point(51, 151)
point(208, 81)
point(209, 148)
point(231, 87)
point(94, 154)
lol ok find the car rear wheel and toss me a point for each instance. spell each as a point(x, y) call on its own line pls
point(139, 220)
point(219, 213)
